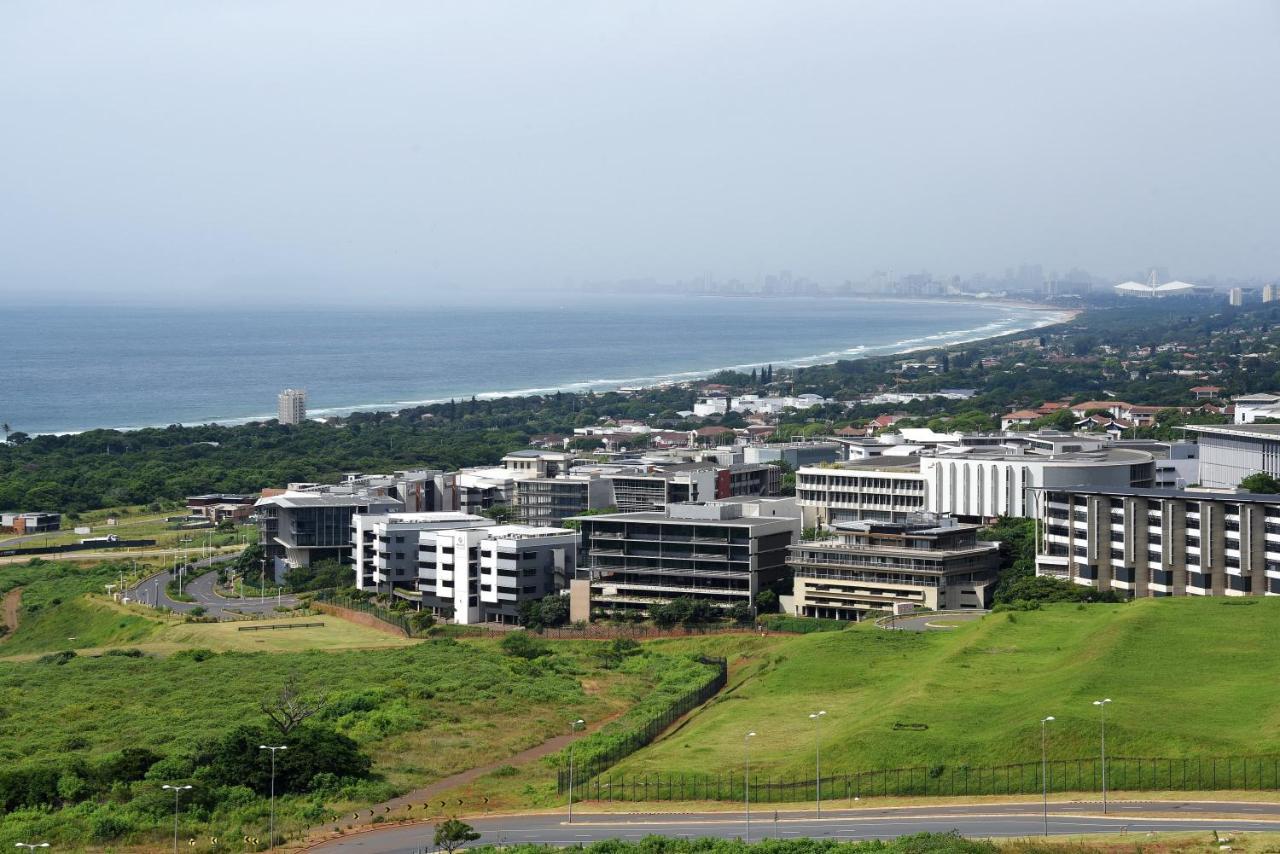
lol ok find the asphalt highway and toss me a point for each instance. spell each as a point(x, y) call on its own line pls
point(976, 820)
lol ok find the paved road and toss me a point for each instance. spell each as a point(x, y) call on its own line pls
point(978, 820)
point(151, 591)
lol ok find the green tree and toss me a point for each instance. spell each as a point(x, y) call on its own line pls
point(452, 834)
point(1261, 483)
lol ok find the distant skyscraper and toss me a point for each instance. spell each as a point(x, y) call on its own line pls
point(1237, 296)
point(1270, 292)
point(291, 406)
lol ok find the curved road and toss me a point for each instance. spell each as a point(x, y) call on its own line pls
point(151, 591)
point(976, 820)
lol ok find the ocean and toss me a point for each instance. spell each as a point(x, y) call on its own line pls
point(72, 369)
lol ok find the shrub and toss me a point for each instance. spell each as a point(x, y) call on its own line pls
point(131, 652)
point(196, 654)
point(522, 645)
point(108, 824)
point(57, 657)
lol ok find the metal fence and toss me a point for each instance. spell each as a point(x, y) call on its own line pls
point(1062, 775)
point(592, 766)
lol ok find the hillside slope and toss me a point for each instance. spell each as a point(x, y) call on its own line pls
point(1187, 677)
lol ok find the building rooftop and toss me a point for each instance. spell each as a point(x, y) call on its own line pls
point(906, 464)
point(506, 532)
point(1266, 431)
point(1188, 494)
point(326, 499)
point(659, 517)
point(999, 453)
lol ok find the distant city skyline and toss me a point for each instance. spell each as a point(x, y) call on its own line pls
point(313, 153)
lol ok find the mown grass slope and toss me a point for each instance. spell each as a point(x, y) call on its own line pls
point(1187, 677)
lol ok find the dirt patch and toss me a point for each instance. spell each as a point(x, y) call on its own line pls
point(10, 610)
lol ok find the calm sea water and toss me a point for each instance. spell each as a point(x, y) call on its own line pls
point(68, 369)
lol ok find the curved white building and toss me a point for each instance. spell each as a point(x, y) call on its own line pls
point(985, 482)
point(1153, 291)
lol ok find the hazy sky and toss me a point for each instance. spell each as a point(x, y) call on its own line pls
point(362, 149)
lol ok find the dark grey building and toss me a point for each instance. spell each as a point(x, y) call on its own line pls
point(712, 551)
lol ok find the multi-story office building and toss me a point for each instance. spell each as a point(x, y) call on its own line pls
point(482, 575)
point(881, 488)
point(1157, 542)
point(986, 482)
point(385, 546)
point(725, 552)
point(1231, 452)
point(299, 527)
point(869, 569)
point(291, 406)
point(653, 487)
point(548, 501)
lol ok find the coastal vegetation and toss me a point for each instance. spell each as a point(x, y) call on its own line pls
point(1081, 359)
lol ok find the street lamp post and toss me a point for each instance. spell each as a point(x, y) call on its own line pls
point(746, 778)
point(573, 728)
point(177, 790)
point(816, 717)
point(31, 846)
point(271, 826)
point(1102, 707)
point(1044, 770)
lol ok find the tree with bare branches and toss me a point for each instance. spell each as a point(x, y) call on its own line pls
point(290, 706)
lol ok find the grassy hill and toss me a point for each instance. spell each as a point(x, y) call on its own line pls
point(1187, 677)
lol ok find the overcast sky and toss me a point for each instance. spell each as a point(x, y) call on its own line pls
point(366, 149)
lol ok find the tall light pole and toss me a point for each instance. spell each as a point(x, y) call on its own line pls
point(746, 778)
point(573, 728)
point(271, 826)
point(816, 717)
point(31, 846)
point(177, 790)
point(1102, 707)
point(1044, 770)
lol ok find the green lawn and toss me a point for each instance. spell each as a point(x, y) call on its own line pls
point(1187, 676)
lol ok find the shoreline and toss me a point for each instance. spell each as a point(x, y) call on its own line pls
point(1050, 316)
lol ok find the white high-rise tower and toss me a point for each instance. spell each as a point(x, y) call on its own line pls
point(291, 406)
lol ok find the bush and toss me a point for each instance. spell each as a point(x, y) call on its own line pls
point(198, 611)
point(57, 657)
point(108, 824)
point(523, 645)
point(196, 654)
point(685, 610)
point(131, 652)
point(238, 759)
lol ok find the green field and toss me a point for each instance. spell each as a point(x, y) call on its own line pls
point(1188, 677)
point(419, 710)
